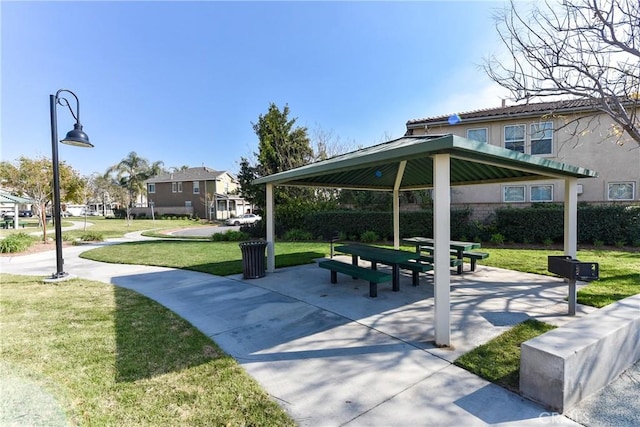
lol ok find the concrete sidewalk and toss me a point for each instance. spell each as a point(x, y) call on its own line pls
point(332, 356)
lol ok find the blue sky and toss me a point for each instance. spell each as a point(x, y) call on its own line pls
point(182, 82)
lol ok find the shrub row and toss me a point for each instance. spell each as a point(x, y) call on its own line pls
point(122, 213)
point(610, 224)
point(354, 224)
point(542, 223)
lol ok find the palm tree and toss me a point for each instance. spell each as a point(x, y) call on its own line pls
point(131, 173)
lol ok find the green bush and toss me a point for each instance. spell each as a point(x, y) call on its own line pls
point(354, 223)
point(369, 237)
point(610, 224)
point(297, 235)
point(497, 239)
point(68, 237)
point(18, 242)
point(92, 236)
point(230, 236)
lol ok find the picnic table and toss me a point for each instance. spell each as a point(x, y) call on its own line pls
point(391, 257)
point(456, 246)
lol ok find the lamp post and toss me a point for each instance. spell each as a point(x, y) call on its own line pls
point(74, 137)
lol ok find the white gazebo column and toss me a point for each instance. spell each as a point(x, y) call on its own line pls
point(16, 216)
point(571, 217)
point(396, 204)
point(571, 234)
point(442, 236)
point(271, 255)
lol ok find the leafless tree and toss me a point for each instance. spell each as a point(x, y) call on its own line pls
point(327, 144)
point(574, 49)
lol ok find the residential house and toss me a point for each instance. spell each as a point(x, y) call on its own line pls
point(201, 191)
point(572, 132)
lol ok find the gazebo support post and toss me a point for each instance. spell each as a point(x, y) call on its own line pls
point(571, 217)
point(271, 256)
point(442, 236)
point(396, 204)
point(16, 216)
point(571, 234)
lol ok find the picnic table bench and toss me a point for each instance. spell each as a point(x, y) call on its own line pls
point(377, 255)
point(9, 223)
point(473, 256)
point(373, 276)
point(418, 266)
point(457, 248)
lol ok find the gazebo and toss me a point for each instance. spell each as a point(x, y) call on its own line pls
point(435, 162)
point(15, 202)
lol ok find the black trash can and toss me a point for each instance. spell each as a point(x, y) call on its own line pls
point(253, 259)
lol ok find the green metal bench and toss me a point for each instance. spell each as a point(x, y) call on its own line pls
point(416, 268)
point(429, 258)
point(474, 257)
point(372, 276)
point(8, 223)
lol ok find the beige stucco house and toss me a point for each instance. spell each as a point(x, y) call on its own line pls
point(568, 131)
point(201, 191)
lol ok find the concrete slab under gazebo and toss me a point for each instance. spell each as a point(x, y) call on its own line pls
point(430, 162)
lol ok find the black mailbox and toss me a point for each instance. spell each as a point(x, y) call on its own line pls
point(573, 269)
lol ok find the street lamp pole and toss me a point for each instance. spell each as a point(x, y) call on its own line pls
point(74, 137)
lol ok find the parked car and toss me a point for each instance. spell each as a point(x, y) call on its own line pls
point(244, 219)
point(26, 214)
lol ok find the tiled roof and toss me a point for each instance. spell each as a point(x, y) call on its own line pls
point(531, 109)
point(192, 174)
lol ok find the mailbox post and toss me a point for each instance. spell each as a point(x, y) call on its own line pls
point(573, 270)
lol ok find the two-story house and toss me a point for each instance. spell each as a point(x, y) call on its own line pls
point(201, 191)
point(568, 131)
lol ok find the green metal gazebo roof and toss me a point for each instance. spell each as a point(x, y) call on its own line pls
point(376, 167)
point(8, 198)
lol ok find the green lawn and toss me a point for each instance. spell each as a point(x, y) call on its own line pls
point(110, 356)
point(109, 227)
point(499, 360)
point(219, 258)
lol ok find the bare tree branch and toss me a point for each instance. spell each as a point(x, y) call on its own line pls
point(578, 49)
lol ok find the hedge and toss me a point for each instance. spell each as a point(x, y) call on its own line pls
point(609, 224)
point(352, 224)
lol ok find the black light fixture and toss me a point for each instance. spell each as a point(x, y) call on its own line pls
point(75, 137)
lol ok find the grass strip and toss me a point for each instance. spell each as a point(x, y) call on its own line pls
point(498, 360)
point(110, 356)
point(219, 258)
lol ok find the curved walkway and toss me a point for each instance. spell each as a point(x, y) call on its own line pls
point(333, 357)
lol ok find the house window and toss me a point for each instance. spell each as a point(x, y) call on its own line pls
point(541, 193)
point(542, 138)
point(152, 188)
point(176, 187)
point(479, 134)
point(187, 203)
point(514, 138)
point(513, 193)
point(621, 190)
point(196, 187)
